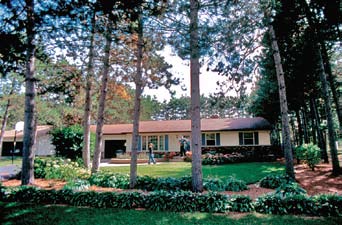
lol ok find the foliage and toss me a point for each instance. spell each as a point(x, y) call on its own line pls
point(274, 181)
point(218, 159)
point(68, 141)
point(233, 184)
point(328, 205)
point(289, 189)
point(59, 168)
point(309, 153)
point(107, 179)
point(77, 185)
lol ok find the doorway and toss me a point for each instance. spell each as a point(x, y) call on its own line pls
point(114, 147)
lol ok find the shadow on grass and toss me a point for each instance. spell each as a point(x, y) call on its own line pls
point(17, 213)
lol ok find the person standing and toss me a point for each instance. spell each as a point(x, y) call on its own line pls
point(150, 153)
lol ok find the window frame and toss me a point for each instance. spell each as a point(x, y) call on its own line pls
point(251, 141)
point(157, 140)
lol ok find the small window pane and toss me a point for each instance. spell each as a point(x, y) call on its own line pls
point(210, 139)
point(161, 143)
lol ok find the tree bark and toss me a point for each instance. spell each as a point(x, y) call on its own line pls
point(300, 127)
point(196, 147)
point(102, 101)
point(5, 117)
point(88, 102)
point(321, 142)
point(332, 82)
point(327, 105)
point(283, 106)
point(137, 102)
point(27, 175)
point(316, 34)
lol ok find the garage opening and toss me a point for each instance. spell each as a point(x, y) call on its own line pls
point(7, 148)
point(113, 148)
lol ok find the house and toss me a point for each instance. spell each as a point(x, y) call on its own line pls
point(43, 146)
point(244, 135)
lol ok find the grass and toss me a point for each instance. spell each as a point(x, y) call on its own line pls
point(19, 213)
point(5, 161)
point(249, 172)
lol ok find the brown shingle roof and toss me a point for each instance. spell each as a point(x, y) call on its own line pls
point(41, 130)
point(169, 126)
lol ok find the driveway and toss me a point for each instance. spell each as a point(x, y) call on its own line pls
point(9, 171)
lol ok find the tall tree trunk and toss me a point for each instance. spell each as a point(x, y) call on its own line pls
point(316, 33)
point(332, 82)
point(321, 142)
point(27, 175)
point(137, 102)
point(5, 117)
point(102, 101)
point(283, 106)
point(300, 127)
point(327, 106)
point(305, 125)
point(196, 147)
point(88, 102)
point(313, 125)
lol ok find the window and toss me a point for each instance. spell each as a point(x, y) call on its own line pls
point(248, 138)
point(159, 142)
point(211, 139)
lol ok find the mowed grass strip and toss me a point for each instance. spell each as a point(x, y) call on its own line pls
point(18, 213)
point(249, 172)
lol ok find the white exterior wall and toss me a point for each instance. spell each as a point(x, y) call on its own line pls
point(227, 138)
point(43, 146)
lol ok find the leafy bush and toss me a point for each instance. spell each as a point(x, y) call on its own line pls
point(291, 204)
point(213, 185)
point(77, 185)
point(310, 154)
point(68, 141)
point(106, 179)
point(241, 203)
point(328, 205)
point(64, 169)
point(173, 184)
point(274, 181)
point(289, 189)
point(219, 159)
point(233, 184)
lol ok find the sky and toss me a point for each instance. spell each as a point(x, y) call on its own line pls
point(181, 69)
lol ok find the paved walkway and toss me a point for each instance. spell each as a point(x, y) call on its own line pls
point(9, 171)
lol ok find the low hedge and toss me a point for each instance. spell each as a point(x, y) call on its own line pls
point(180, 201)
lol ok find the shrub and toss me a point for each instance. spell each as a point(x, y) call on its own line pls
point(219, 159)
point(289, 189)
point(77, 185)
point(274, 181)
point(328, 205)
point(213, 185)
point(291, 204)
point(233, 184)
point(64, 169)
point(173, 184)
point(310, 154)
point(106, 179)
point(68, 141)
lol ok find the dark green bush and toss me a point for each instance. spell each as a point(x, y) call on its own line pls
point(172, 184)
point(291, 204)
point(288, 189)
point(213, 184)
point(68, 141)
point(233, 184)
point(328, 205)
point(274, 181)
point(241, 203)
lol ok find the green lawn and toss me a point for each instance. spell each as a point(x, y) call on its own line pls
point(17, 213)
point(4, 161)
point(249, 172)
